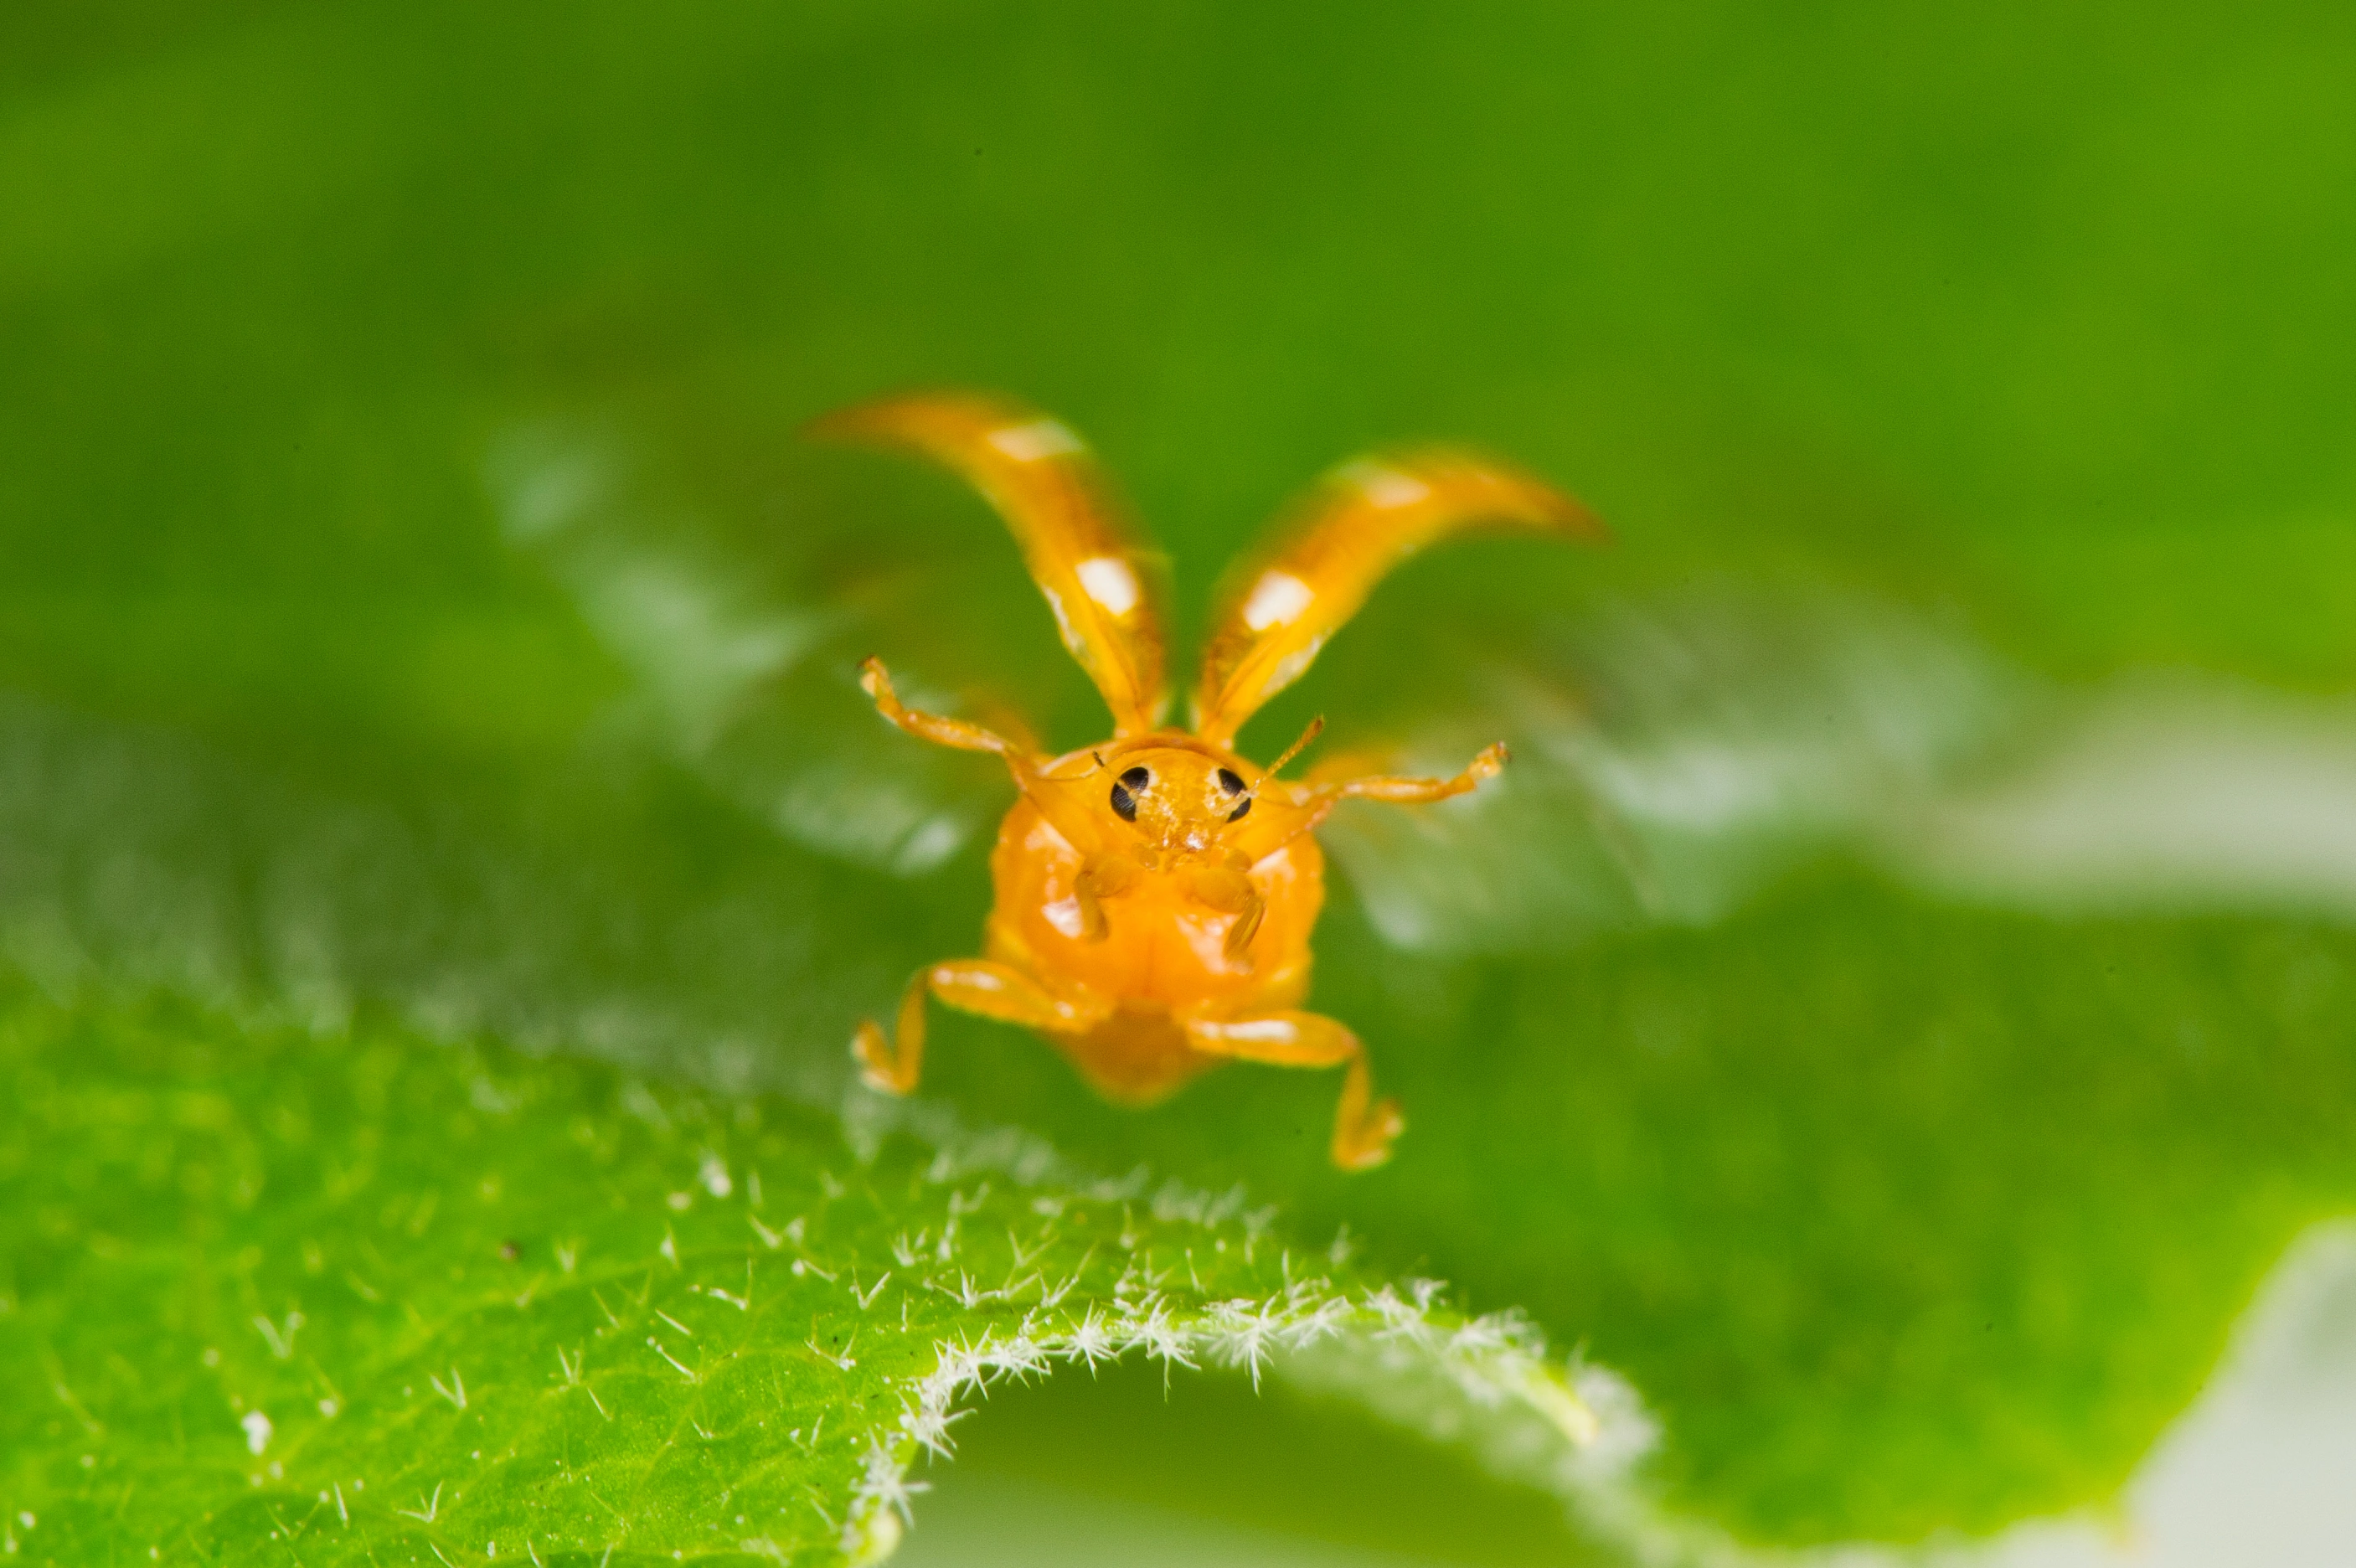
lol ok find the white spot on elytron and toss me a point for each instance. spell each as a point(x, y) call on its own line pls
point(257, 1431)
point(1277, 599)
point(1386, 486)
point(1109, 582)
point(1279, 1029)
point(1063, 622)
point(1040, 438)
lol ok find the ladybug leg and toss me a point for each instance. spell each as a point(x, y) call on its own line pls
point(1410, 791)
point(1363, 1126)
point(882, 1067)
point(957, 733)
point(1227, 889)
point(1101, 876)
point(970, 986)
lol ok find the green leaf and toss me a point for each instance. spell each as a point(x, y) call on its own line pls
point(372, 1299)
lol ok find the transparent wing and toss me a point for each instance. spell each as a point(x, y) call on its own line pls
point(742, 675)
point(1669, 761)
point(1366, 518)
point(1100, 577)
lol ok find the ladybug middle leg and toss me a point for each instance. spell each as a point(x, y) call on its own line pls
point(979, 985)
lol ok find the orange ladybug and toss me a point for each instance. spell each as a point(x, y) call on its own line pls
point(1155, 893)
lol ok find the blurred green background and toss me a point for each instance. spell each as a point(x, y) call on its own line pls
point(1905, 1212)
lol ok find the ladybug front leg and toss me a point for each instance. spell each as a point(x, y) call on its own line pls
point(1228, 890)
point(956, 733)
point(970, 986)
point(1363, 1126)
point(1412, 791)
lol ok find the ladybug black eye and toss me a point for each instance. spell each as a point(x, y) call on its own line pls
point(1124, 804)
point(1136, 779)
point(1239, 811)
point(1229, 782)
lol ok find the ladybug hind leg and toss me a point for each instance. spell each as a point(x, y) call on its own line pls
point(978, 985)
point(1363, 1127)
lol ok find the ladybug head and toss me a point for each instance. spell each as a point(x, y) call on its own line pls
point(1171, 795)
point(1175, 798)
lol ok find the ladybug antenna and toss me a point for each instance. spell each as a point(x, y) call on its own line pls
point(1316, 727)
point(1054, 778)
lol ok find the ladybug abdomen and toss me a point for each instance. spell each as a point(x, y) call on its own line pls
point(1163, 949)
